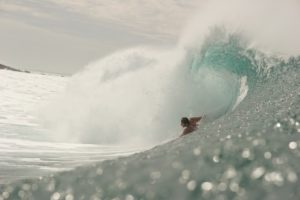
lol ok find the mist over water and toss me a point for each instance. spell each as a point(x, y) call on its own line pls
point(270, 26)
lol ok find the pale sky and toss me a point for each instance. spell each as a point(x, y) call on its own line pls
point(63, 36)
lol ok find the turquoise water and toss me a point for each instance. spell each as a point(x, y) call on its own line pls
point(250, 151)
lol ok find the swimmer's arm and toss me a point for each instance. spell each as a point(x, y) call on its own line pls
point(185, 132)
point(195, 119)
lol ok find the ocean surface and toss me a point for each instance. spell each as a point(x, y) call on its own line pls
point(27, 148)
point(111, 130)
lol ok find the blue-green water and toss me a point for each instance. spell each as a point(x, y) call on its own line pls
point(250, 152)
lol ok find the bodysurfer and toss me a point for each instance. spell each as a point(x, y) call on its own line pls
point(189, 125)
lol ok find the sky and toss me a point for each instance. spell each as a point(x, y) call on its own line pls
point(62, 36)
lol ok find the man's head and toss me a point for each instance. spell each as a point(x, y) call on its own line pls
point(185, 122)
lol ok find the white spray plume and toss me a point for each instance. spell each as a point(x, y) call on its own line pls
point(271, 26)
point(134, 97)
point(138, 96)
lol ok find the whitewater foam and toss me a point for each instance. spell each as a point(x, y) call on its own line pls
point(242, 92)
point(137, 96)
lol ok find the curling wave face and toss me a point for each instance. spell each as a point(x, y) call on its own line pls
point(137, 96)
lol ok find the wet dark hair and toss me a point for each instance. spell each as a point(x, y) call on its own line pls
point(185, 120)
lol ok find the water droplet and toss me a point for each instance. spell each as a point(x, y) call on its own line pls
point(5, 195)
point(197, 151)
point(207, 186)
point(230, 173)
point(246, 153)
point(69, 197)
point(216, 159)
point(277, 125)
point(292, 121)
point(258, 172)
point(293, 145)
point(191, 185)
point(129, 197)
point(99, 171)
point(234, 187)
point(55, 196)
point(275, 178)
point(292, 177)
point(258, 142)
point(268, 155)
